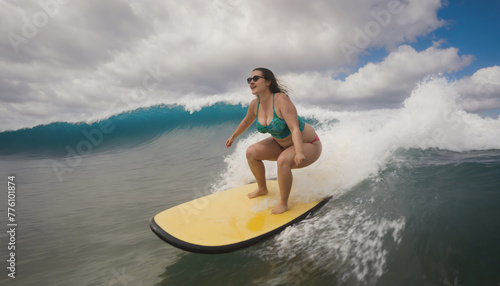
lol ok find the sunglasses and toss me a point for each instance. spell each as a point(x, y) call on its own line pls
point(255, 78)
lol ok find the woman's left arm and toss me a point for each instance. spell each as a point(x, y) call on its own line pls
point(289, 113)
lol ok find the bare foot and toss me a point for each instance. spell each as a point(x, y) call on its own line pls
point(258, 192)
point(280, 208)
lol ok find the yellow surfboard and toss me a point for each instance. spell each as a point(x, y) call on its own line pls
point(228, 220)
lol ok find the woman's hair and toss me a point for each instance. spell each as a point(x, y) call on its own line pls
point(276, 85)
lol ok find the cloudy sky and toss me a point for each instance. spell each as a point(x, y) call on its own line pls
point(72, 60)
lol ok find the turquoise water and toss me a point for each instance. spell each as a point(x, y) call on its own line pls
point(412, 205)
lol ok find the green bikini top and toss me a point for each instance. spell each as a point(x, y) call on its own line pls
point(278, 127)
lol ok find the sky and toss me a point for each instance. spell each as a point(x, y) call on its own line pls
point(75, 60)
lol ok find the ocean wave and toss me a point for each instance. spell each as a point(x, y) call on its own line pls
point(123, 130)
point(432, 117)
point(422, 199)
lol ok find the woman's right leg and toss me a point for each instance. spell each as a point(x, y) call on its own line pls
point(267, 149)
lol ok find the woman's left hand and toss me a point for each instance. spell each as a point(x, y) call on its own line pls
point(299, 158)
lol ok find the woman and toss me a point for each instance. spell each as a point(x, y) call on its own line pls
point(293, 143)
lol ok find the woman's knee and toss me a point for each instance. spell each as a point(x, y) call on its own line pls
point(251, 152)
point(284, 162)
point(264, 150)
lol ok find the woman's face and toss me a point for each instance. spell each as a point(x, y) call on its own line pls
point(259, 86)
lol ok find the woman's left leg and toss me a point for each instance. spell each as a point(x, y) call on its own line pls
point(286, 162)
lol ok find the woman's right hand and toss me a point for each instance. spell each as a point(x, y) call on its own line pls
point(229, 142)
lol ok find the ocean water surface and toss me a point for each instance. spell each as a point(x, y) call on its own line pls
point(416, 197)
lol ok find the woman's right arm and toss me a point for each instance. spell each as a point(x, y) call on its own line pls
point(245, 123)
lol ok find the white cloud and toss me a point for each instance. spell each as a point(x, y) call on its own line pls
point(383, 84)
point(194, 38)
point(481, 91)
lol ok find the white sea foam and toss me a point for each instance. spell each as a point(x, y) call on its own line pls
point(356, 146)
point(346, 240)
